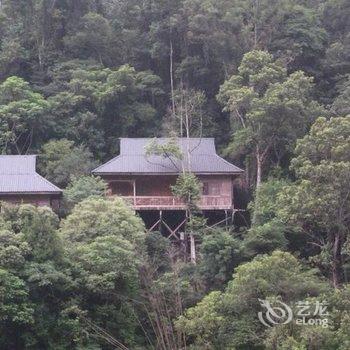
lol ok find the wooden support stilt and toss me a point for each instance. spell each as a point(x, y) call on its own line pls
point(227, 219)
point(187, 240)
point(179, 226)
point(154, 225)
point(218, 223)
point(173, 232)
point(160, 220)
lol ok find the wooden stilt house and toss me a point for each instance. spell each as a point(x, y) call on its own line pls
point(145, 180)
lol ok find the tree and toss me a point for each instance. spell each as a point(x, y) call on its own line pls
point(106, 244)
point(83, 187)
point(299, 37)
point(61, 161)
point(340, 106)
point(220, 252)
point(229, 319)
point(187, 186)
point(267, 233)
point(22, 116)
point(33, 252)
point(265, 206)
point(187, 118)
point(14, 250)
point(335, 64)
point(99, 104)
point(211, 43)
point(15, 308)
point(169, 285)
point(37, 226)
point(203, 321)
point(319, 201)
point(71, 115)
point(335, 336)
point(264, 239)
point(269, 109)
point(95, 39)
point(78, 74)
point(13, 52)
point(102, 217)
point(290, 29)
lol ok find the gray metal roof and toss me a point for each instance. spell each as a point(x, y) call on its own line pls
point(17, 164)
point(196, 145)
point(18, 175)
point(133, 159)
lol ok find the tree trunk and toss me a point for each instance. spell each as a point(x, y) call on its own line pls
point(247, 173)
point(172, 80)
point(337, 266)
point(258, 167)
point(187, 120)
point(193, 249)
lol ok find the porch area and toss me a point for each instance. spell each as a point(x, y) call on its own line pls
point(155, 192)
point(221, 202)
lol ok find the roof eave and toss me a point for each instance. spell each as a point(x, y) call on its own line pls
point(31, 193)
point(169, 173)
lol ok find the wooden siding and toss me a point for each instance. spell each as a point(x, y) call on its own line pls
point(34, 199)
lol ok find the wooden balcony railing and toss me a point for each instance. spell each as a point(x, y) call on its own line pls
point(171, 202)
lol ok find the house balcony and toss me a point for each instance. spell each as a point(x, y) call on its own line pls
point(219, 202)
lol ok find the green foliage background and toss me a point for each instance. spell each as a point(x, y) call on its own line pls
point(269, 79)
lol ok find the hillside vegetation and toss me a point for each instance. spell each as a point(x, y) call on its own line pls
point(269, 79)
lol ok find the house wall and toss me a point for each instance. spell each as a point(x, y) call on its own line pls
point(155, 185)
point(160, 185)
point(224, 182)
point(35, 199)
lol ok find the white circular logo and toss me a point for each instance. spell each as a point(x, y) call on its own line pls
point(274, 315)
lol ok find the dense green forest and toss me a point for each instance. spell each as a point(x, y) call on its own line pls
point(269, 79)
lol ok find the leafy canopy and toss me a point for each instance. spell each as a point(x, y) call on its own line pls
point(270, 109)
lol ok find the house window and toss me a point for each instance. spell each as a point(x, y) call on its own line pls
point(211, 188)
point(215, 188)
point(122, 188)
point(205, 189)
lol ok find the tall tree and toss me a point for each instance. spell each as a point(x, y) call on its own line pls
point(320, 200)
point(94, 39)
point(335, 63)
point(270, 109)
point(23, 118)
point(106, 245)
point(99, 104)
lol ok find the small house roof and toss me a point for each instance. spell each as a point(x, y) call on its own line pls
point(133, 158)
point(18, 175)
